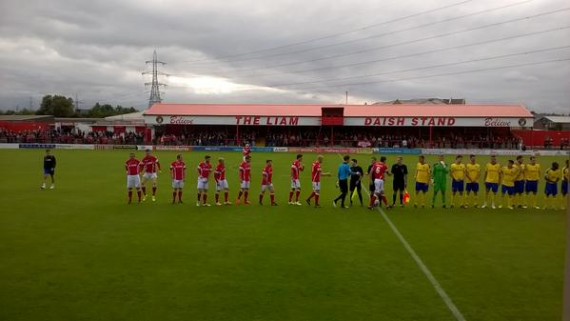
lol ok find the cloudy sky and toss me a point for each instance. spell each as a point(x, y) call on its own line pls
point(287, 51)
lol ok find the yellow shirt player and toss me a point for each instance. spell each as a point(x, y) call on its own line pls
point(472, 176)
point(492, 178)
point(518, 199)
point(532, 175)
point(552, 176)
point(565, 179)
point(508, 174)
point(423, 175)
point(457, 171)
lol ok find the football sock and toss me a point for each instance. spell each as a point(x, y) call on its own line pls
point(205, 198)
point(180, 196)
point(291, 196)
point(316, 199)
point(143, 190)
point(260, 198)
point(139, 195)
point(245, 195)
point(154, 191)
point(239, 195)
point(272, 197)
point(199, 196)
point(297, 195)
point(394, 198)
point(217, 197)
point(174, 196)
point(311, 196)
point(130, 196)
point(226, 196)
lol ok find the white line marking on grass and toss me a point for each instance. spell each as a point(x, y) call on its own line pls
point(438, 288)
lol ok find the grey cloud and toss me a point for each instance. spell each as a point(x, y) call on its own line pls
point(98, 48)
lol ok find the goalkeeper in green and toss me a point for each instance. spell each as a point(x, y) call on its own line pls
point(439, 179)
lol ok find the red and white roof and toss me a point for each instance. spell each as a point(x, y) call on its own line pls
point(354, 115)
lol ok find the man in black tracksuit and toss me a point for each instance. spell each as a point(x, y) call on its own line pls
point(355, 181)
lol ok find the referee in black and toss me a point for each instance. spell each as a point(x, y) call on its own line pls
point(355, 181)
point(400, 172)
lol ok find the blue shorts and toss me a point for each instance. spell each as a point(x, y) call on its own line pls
point(551, 189)
point(49, 171)
point(519, 187)
point(509, 190)
point(472, 187)
point(531, 187)
point(564, 188)
point(493, 187)
point(457, 186)
point(422, 187)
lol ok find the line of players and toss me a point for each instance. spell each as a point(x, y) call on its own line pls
point(150, 166)
point(518, 181)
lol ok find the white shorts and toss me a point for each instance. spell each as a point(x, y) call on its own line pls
point(316, 187)
point(202, 184)
point(295, 184)
point(245, 184)
point(222, 185)
point(378, 186)
point(267, 188)
point(177, 184)
point(150, 177)
point(133, 181)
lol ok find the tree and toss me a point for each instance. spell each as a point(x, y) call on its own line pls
point(105, 110)
point(58, 106)
point(24, 111)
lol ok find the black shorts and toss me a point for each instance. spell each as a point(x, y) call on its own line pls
point(354, 185)
point(397, 186)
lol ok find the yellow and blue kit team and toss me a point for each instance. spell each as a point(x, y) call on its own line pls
point(518, 183)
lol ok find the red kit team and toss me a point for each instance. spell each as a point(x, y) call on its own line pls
point(149, 168)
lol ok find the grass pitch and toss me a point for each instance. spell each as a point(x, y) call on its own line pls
point(79, 252)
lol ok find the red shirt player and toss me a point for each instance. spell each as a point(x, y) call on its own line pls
point(245, 178)
point(133, 167)
point(316, 173)
point(377, 175)
point(221, 182)
point(150, 167)
point(204, 170)
point(246, 151)
point(178, 173)
point(296, 169)
point(267, 183)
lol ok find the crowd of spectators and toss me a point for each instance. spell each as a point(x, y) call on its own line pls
point(58, 136)
point(286, 137)
point(206, 137)
point(344, 137)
